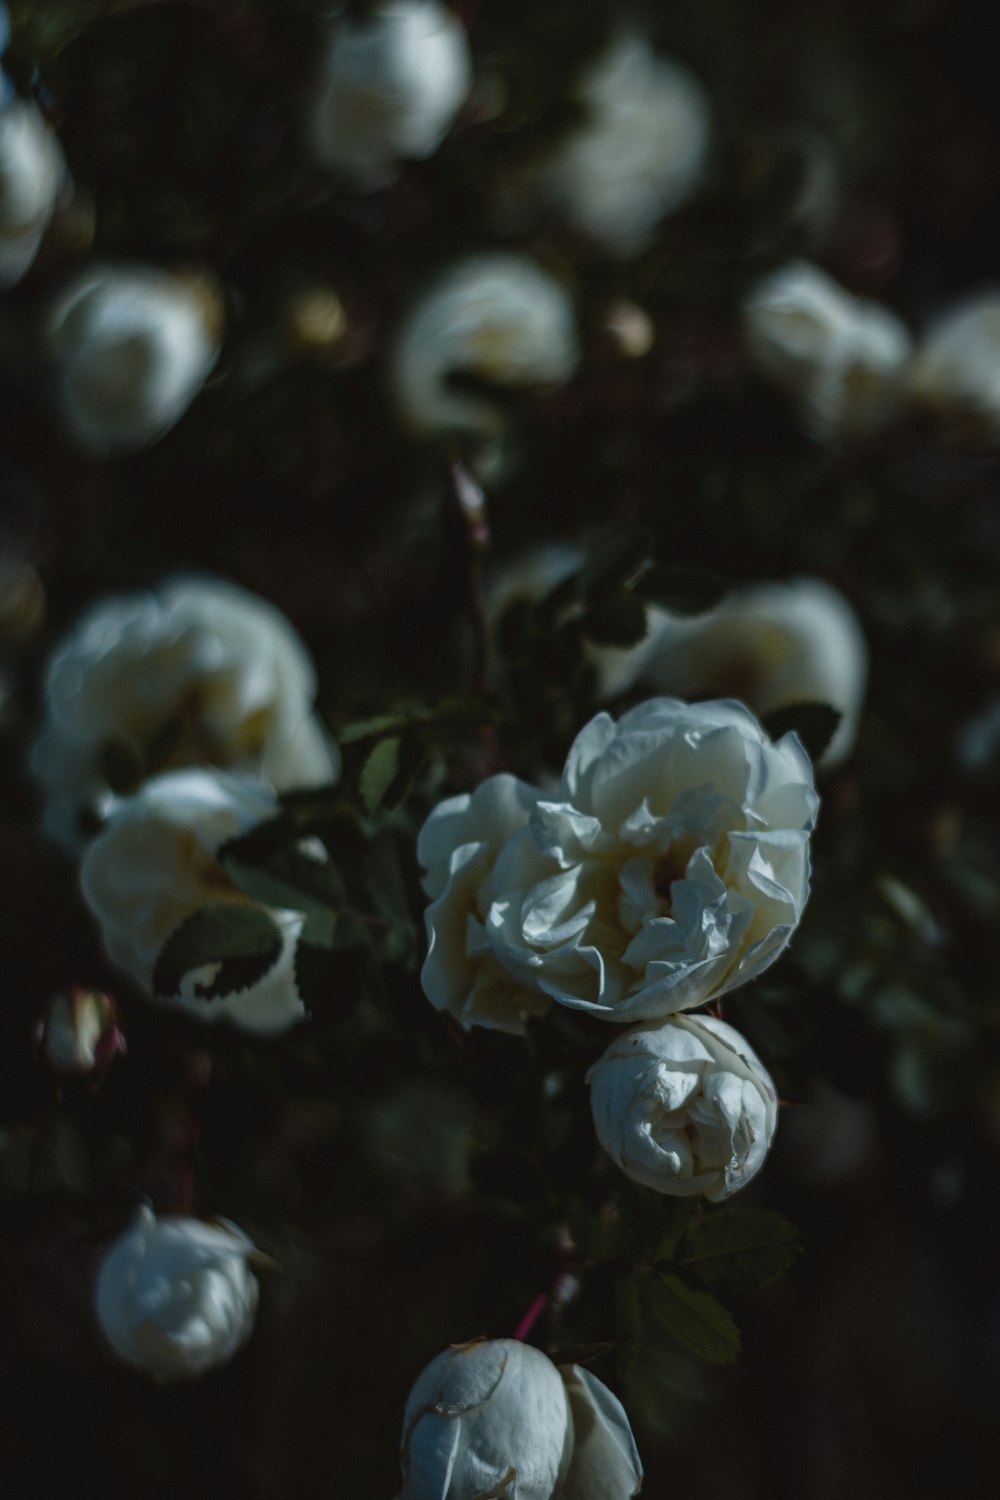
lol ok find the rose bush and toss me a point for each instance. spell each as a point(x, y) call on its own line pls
point(498, 1417)
point(154, 864)
point(199, 672)
point(672, 866)
point(175, 1296)
point(684, 1106)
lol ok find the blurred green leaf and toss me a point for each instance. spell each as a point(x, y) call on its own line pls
point(379, 772)
point(683, 590)
point(739, 1249)
point(615, 559)
point(239, 936)
point(618, 619)
point(291, 879)
point(695, 1319)
point(814, 723)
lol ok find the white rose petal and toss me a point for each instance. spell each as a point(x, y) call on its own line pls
point(199, 672)
point(499, 1418)
point(770, 645)
point(956, 369)
point(458, 845)
point(392, 82)
point(154, 864)
point(496, 316)
point(78, 1033)
point(32, 176)
point(134, 345)
point(843, 360)
point(684, 1106)
point(639, 154)
point(175, 1296)
point(673, 866)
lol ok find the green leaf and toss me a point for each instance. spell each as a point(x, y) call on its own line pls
point(290, 879)
point(680, 1214)
point(615, 559)
point(241, 937)
point(261, 843)
point(382, 724)
point(695, 1319)
point(618, 619)
point(738, 1249)
point(379, 772)
point(683, 590)
point(331, 961)
point(814, 723)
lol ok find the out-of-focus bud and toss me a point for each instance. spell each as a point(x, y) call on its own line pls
point(497, 319)
point(956, 369)
point(314, 323)
point(134, 346)
point(32, 177)
point(392, 82)
point(22, 600)
point(843, 361)
point(175, 1296)
point(630, 328)
point(79, 1033)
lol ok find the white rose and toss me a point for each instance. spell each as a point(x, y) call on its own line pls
point(392, 83)
point(154, 864)
point(498, 317)
point(32, 176)
point(843, 360)
point(532, 575)
point(770, 645)
point(684, 1106)
point(673, 867)
point(79, 1033)
point(458, 845)
point(499, 1418)
point(639, 154)
point(175, 1296)
point(956, 370)
point(199, 672)
point(133, 345)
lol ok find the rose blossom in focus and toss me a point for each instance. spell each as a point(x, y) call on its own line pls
point(497, 317)
point(176, 1297)
point(133, 346)
point(154, 864)
point(498, 1417)
point(638, 154)
point(684, 1106)
point(198, 672)
point(392, 82)
point(842, 360)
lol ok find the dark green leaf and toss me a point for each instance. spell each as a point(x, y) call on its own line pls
point(685, 591)
point(379, 772)
point(331, 960)
point(738, 1249)
point(615, 559)
point(241, 937)
point(290, 879)
point(814, 723)
point(618, 619)
point(680, 1214)
point(382, 724)
point(695, 1319)
point(261, 843)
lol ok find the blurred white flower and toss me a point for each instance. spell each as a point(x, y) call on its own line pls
point(843, 361)
point(770, 645)
point(392, 82)
point(529, 577)
point(32, 177)
point(638, 154)
point(498, 1418)
point(154, 864)
point(198, 673)
point(956, 369)
point(684, 1106)
point(175, 1296)
point(458, 846)
point(133, 346)
point(79, 1032)
point(672, 866)
point(496, 317)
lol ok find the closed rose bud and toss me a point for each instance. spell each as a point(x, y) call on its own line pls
point(79, 1033)
point(392, 82)
point(956, 370)
point(134, 345)
point(684, 1106)
point(843, 361)
point(32, 176)
point(175, 1296)
point(498, 1418)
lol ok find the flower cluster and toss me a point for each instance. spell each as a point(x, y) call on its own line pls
point(671, 866)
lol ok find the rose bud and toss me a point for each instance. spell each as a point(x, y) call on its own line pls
point(79, 1033)
point(175, 1296)
point(955, 371)
point(32, 178)
point(684, 1106)
point(498, 1417)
